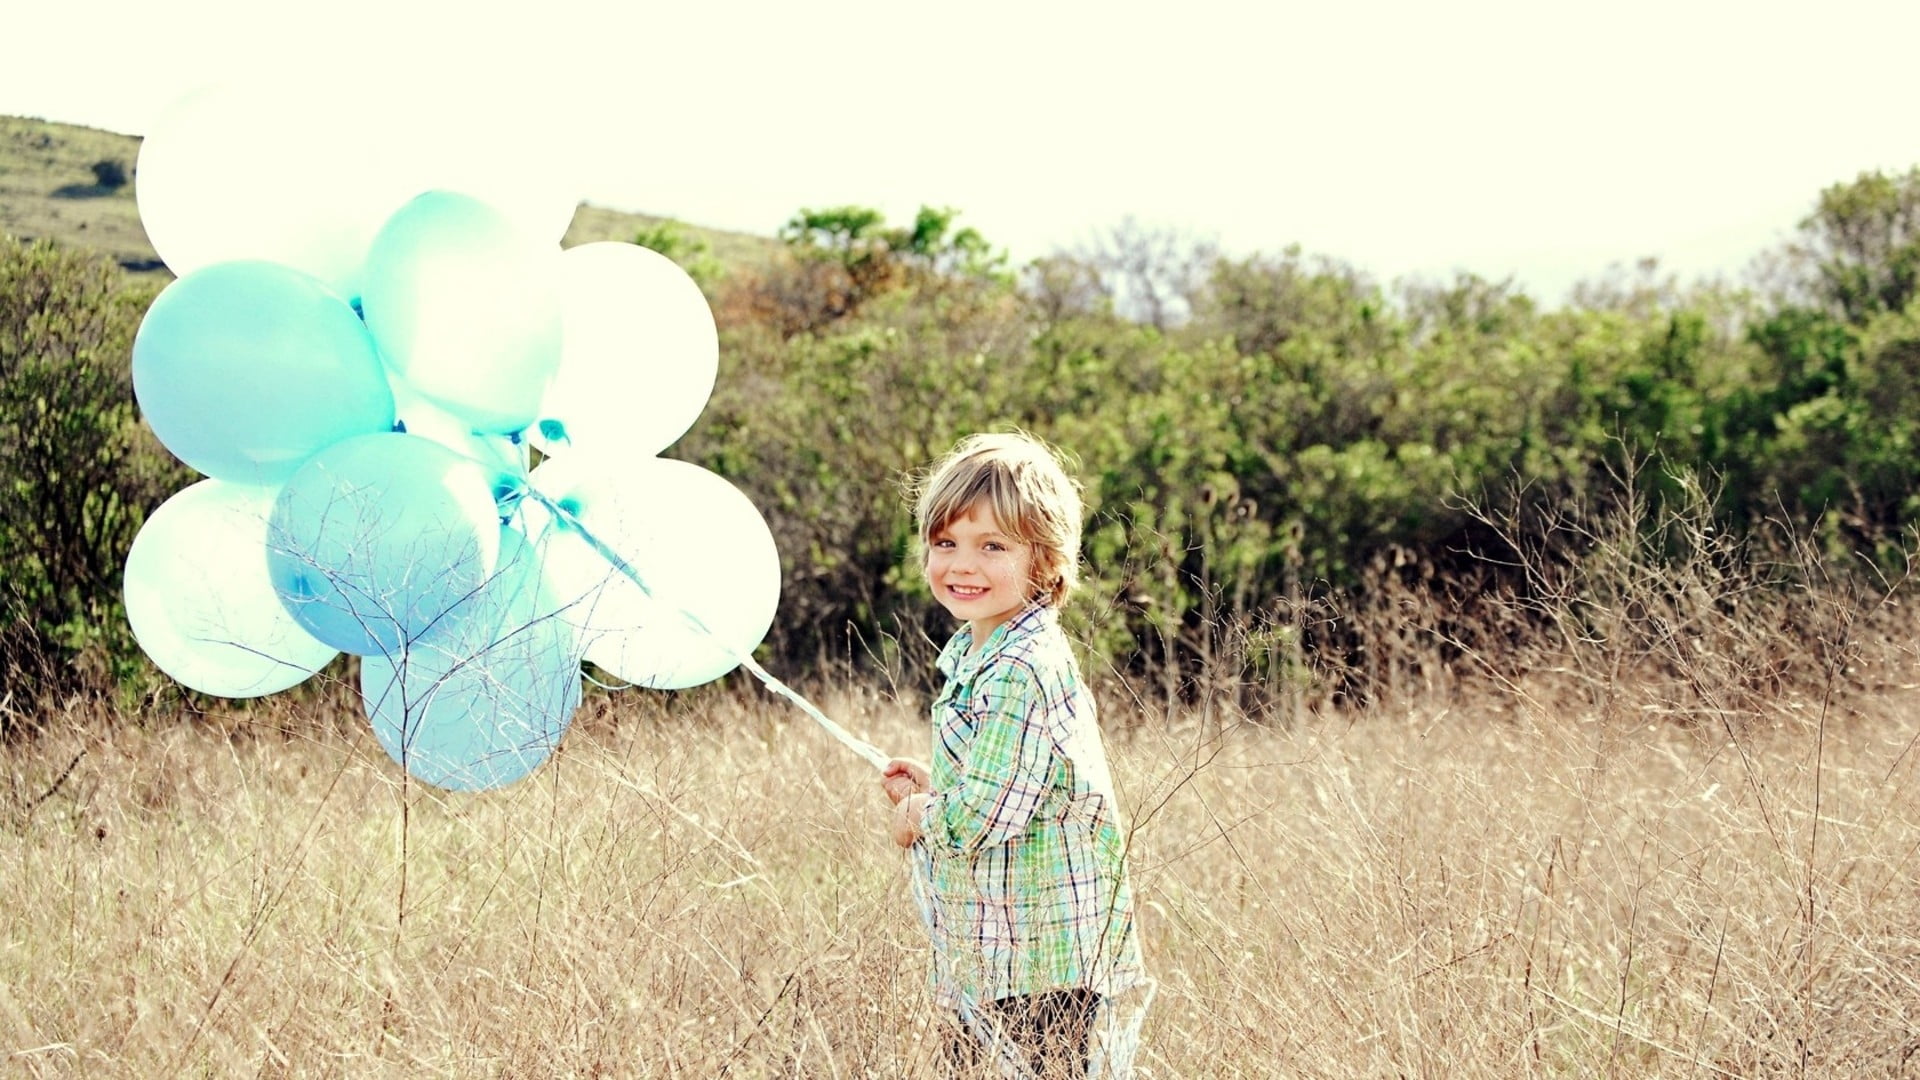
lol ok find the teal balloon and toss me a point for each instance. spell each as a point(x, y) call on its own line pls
point(465, 308)
point(377, 538)
point(246, 369)
point(483, 699)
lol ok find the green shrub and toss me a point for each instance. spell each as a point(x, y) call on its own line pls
point(78, 468)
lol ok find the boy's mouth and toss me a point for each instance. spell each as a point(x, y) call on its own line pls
point(967, 592)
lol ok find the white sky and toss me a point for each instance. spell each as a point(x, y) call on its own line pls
point(1507, 137)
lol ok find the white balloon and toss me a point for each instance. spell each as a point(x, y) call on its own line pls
point(465, 308)
point(471, 135)
point(201, 603)
point(700, 548)
point(271, 169)
point(638, 357)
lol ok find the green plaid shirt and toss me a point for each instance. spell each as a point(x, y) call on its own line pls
point(1029, 888)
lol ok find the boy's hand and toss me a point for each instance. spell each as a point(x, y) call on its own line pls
point(903, 777)
point(906, 818)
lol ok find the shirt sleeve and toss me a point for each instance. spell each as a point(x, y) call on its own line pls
point(1008, 768)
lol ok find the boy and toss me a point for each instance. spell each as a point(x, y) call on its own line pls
point(1022, 854)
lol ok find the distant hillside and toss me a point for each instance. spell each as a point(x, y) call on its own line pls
point(49, 189)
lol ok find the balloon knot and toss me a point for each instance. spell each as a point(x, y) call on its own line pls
point(508, 490)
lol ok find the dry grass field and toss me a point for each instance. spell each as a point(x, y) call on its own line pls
point(1513, 882)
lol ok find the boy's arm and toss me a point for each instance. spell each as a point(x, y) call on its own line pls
point(1008, 768)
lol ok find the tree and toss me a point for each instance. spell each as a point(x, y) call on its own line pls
point(1263, 302)
point(1151, 273)
point(873, 255)
point(1860, 248)
point(841, 258)
point(935, 248)
point(1060, 287)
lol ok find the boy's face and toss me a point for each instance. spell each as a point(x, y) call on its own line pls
point(979, 572)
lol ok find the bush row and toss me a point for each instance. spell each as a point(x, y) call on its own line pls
point(1301, 439)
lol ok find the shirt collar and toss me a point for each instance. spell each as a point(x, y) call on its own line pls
point(958, 659)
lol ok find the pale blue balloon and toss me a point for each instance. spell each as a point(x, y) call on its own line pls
point(376, 538)
point(245, 369)
point(483, 699)
point(465, 308)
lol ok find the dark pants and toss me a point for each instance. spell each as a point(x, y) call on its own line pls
point(1049, 1031)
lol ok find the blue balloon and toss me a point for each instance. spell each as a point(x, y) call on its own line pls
point(465, 309)
point(377, 538)
point(245, 369)
point(483, 699)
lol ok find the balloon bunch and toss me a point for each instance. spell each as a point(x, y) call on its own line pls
point(363, 368)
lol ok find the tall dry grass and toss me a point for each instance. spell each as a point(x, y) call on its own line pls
point(1505, 890)
point(1675, 839)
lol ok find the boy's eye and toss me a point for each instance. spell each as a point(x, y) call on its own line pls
point(942, 542)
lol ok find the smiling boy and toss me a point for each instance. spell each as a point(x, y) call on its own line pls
point(1026, 891)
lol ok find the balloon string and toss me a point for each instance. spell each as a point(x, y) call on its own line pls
point(873, 754)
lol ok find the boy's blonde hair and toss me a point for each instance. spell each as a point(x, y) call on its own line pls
point(1032, 498)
